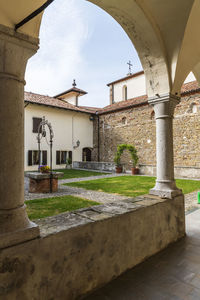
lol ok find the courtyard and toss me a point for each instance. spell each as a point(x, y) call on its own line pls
point(142, 232)
point(82, 188)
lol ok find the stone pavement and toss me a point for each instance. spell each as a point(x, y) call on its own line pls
point(101, 197)
point(173, 274)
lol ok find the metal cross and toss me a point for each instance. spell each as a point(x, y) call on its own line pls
point(130, 65)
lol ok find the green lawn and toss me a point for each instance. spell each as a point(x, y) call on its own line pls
point(42, 208)
point(132, 186)
point(72, 173)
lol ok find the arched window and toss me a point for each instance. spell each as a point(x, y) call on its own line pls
point(125, 93)
point(124, 120)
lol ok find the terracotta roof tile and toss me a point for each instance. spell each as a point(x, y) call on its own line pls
point(53, 102)
point(190, 87)
point(142, 100)
point(187, 88)
point(73, 89)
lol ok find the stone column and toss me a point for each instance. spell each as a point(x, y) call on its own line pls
point(164, 106)
point(15, 50)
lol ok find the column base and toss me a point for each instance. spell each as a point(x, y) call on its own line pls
point(15, 227)
point(165, 189)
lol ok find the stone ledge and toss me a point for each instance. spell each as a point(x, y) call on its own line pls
point(85, 249)
point(65, 221)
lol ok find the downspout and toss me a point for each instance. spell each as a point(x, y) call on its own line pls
point(98, 139)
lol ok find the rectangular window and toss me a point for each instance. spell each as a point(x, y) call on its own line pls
point(61, 157)
point(33, 157)
point(36, 123)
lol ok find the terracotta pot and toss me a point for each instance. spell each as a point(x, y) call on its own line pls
point(135, 171)
point(118, 170)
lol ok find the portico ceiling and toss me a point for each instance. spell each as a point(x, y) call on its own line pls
point(164, 33)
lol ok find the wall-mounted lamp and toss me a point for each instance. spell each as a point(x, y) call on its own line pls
point(91, 118)
point(77, 144)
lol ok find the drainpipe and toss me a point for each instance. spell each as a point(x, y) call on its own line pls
point(98, 139)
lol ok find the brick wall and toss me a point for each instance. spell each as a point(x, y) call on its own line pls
point(136, 126)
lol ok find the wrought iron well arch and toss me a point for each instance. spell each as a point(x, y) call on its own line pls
point(43, 134)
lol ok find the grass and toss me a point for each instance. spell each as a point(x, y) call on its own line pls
point(132, 186)
point(72, 173)
point(42, 208)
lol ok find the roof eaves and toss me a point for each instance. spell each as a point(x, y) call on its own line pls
point(59, 107)
point(122, 108)
point(126, 78)
point(71, 90)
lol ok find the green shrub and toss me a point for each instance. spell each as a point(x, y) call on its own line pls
point(120, 150)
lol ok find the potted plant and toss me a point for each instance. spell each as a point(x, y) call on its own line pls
point(117, 160)
point(44, 169)
point(68, 163)
point(134, 158)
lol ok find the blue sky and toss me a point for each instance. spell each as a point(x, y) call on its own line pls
point(79, 40)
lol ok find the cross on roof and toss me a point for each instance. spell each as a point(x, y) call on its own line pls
point(74, 83)
point(130, 65)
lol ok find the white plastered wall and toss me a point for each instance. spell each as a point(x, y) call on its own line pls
point(68, 127)
point(135, 87)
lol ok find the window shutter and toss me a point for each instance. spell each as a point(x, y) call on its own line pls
point(58, 157)
point(30, 158)
point(70, 155)
point(44, 157)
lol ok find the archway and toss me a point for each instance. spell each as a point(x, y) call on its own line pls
point(162, 47)
point(86, 154)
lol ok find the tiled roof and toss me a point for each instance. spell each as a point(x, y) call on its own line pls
point(190, 87)
point(142, 100)
point(53, 102)
point(187, 88)
point(73, 89)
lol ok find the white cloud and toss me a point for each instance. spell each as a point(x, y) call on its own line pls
point(63, 33)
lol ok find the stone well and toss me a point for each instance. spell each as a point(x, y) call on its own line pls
point(40, 182)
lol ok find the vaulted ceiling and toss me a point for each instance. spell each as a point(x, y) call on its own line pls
point(164, 33)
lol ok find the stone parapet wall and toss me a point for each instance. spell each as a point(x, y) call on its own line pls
point(136, 126)
point(179, 172)
point(85, 249)
point(92, 165)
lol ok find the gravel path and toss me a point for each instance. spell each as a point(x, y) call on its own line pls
point(101, 197)
point(63, 190)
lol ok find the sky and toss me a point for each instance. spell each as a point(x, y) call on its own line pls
point(78, 40)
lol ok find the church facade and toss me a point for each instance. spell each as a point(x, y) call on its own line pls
point(130, 119)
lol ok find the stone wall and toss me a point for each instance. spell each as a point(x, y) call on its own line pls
point(82, 250)
point(136, 126)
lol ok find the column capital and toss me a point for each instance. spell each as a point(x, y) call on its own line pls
point(15, 50)
point(164, 98)
point(164, 105)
